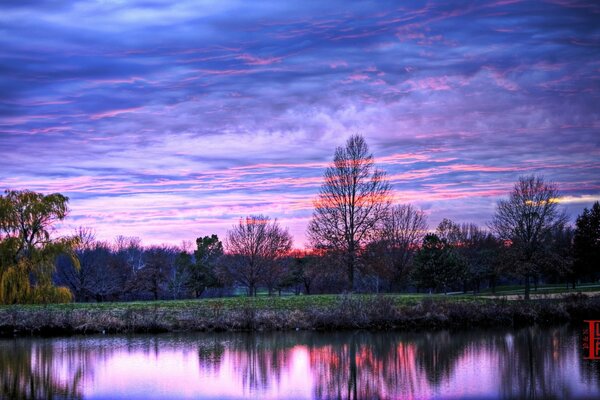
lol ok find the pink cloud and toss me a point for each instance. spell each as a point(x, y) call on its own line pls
point(114, 113)
point(253, 60)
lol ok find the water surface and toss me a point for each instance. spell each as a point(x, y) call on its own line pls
point(526, 363)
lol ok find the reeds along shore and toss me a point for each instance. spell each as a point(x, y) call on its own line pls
point(343, 312)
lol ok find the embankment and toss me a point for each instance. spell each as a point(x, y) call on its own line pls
point(318, 312)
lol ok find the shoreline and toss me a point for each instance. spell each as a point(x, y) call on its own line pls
point(341, 312)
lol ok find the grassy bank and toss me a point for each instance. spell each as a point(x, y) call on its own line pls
point(295, 312)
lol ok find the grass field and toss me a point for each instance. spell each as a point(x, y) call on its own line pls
point(299, 302)
point(292, 302)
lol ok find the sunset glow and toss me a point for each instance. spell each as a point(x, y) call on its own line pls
point(173, 120)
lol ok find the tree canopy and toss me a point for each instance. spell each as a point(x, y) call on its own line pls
point(351, 203)
point(526, 221)
point(27, 249)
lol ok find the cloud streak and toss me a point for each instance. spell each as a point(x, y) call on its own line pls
point(172, 120)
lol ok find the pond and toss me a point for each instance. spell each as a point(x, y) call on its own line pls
point(526, 363)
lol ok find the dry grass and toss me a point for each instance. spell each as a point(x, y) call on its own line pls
point(302, 312)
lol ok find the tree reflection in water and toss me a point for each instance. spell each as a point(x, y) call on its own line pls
point(527, 363)
point(28, 370)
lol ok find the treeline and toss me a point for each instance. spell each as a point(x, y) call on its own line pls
point(360, 241)
point(456, 257)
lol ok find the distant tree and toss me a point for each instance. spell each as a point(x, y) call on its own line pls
point(202, 273)
point(526, 220)
point(390, 254)
point(449, 231)
point(586, 245)
point(76, 279)
point(106, 273)
point(178, 278)
point(27, 250)
point(479, 249)
point(278, 275)
point(557, 265)
point(437, 265)
point(131, 250)
point(255, 244)
point(152, 277)
point(352, 201)
point(306, 269)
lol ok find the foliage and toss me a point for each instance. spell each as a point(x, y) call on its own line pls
point(202, 274)
point(586, 244)
point(27, 250)
point(437, 265)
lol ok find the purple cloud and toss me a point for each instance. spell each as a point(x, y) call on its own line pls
point(171, 120)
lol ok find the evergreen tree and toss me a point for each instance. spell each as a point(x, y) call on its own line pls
point(586, 245)
point(437, 265)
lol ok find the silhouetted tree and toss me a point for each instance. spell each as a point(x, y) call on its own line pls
point(586, 245)
point(479, 249)
point(390, 255)
point(557, 265)
point(179, 276)
point(255, 244)
point(306, 269)
point(449, 231)
point(353, 199)
point(152, 277)
point(202, 273)
point(437, 265)
point(102, 273)
point(526, 220)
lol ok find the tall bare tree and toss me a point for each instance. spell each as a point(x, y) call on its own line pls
point(255, 245)
point(352, 201)
point(526, 220)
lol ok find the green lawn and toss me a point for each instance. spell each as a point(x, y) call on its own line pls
point(261, 302)
point(293, 302)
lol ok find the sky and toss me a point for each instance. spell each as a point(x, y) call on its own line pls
point(172, 120)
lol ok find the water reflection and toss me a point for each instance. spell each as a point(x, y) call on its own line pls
point(528, 363)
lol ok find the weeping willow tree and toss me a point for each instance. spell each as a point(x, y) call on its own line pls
point(28, 251)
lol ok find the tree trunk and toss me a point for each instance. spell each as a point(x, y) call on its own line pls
point(527, 287)
point(351, 257)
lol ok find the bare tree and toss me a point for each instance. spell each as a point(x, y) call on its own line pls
point(255, 245)
point(130, 248)
point(153, 276)
point(480, 250)
point(352, 201)
point(402, 231)
point(77, 278)
point(450, 231)
point(526, 220)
